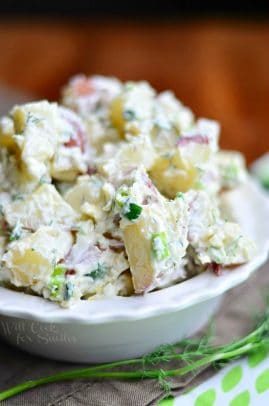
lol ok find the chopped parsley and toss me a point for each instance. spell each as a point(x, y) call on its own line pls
point(129, 115)
point(134, 211)
point(17, 196)
point(31, 118)
point(130, 210)
point(180, 195)
point(97, 273)
point(15, 234)
point(68, 291)
point(44, 180)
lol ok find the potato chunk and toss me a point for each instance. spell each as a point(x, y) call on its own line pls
point(91, 196)
point(171, 174)
point(49, 141)
point(156, 244)
point(6, 133)
point(131, 107)
point(138, 248)
point(232, 168)
point(31, 260)
point(44, 206)
point(212, 238)
point(181, 168)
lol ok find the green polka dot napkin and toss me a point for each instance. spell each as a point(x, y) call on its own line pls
point(243, 383)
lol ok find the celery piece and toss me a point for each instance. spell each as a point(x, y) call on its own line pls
point(57, 281)
point(159, 246)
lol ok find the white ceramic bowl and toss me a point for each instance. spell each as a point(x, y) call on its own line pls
point(120, 328)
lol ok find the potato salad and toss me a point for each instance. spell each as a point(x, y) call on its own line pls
point(116, 190)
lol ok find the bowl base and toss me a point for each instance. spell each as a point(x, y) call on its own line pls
point(113, 341)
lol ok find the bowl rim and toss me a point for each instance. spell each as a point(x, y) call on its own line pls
point(188, 293)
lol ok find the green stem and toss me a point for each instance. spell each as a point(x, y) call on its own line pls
point(98, 372)
point(78, 373)
point(254, 337)
point(209, 359)
point(82, 373)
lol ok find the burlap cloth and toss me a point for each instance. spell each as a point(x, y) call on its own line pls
point(233, 320)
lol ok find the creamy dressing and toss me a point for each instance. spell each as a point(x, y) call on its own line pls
point(115, 191)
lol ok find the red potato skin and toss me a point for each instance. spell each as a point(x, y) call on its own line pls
point(79, 140)
point(82, 87)
point(79, 137)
